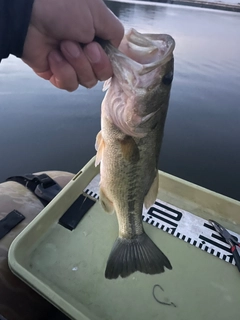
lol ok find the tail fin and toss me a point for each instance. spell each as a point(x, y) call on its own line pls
point(137, 254)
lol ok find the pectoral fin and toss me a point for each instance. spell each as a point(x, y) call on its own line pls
point(130, 149)
point(152, 193)
point(99, 146)
point(106, 204)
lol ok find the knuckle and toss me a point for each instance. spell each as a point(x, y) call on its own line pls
point(89, 35)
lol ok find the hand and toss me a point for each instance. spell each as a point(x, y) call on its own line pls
point(59, 44)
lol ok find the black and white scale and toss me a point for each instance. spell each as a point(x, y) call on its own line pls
point(181, 224)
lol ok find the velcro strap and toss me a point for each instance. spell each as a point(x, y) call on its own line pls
point(71, 218)
point(44, 187)
point(9, 222)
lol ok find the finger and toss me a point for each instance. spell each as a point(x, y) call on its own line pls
point(45, 75)
point(99, 61)
point(74, 54)
point(63, 74)
point(112, 29)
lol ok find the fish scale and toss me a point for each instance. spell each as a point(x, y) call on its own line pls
point(133, 115)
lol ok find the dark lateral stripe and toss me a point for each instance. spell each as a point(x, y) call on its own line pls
point(167, 208)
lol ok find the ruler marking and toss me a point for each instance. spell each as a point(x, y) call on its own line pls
point(167, 208)
point(209, 226)
point(214, 243)
point(161, 218)
point(219, 237)
point(182, 224)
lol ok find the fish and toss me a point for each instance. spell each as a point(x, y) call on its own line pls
point(133, 114)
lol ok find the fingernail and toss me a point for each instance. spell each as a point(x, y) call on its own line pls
point(90, 84)
point(93, 53)
point(72, 49)
point(56, 56)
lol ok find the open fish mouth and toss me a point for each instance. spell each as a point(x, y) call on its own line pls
point(149, 50)
point(138, 61)
point(142, 64)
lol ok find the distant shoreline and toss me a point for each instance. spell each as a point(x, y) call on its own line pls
point(207, 4)
point(227, 5)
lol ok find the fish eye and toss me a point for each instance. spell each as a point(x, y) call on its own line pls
point(168, 78)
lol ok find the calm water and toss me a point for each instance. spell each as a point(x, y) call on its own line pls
point(43, 128)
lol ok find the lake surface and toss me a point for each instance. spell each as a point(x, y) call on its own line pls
point(43, 128)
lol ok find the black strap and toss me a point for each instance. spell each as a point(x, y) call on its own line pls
point(44, 187)
point(9, 222)
point(71, 218)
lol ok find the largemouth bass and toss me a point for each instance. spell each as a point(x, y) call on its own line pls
point(132, 122)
